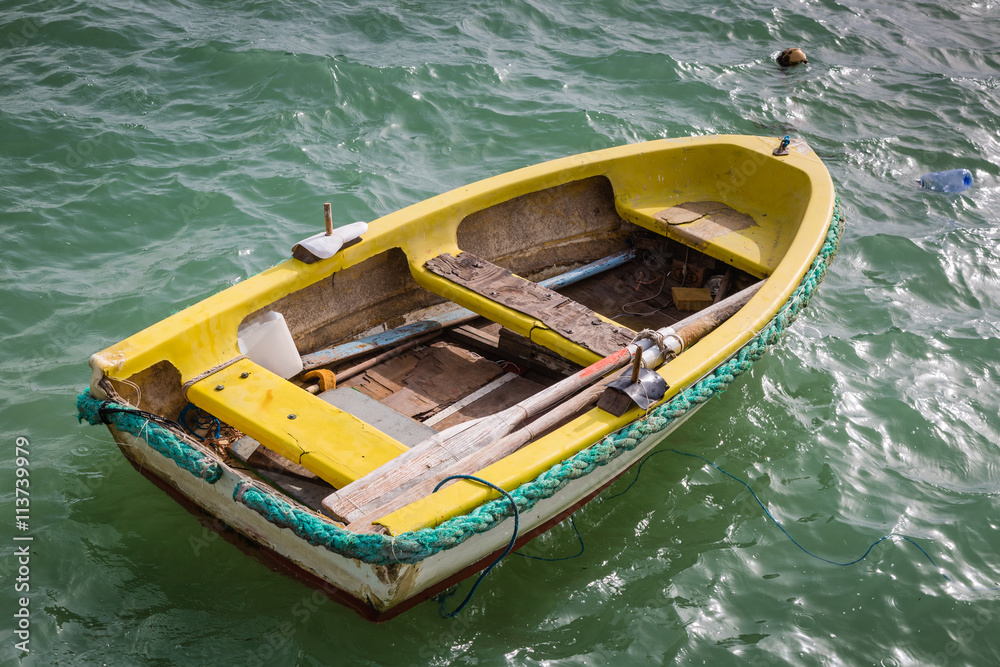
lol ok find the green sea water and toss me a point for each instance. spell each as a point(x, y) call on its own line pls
point(152, 154)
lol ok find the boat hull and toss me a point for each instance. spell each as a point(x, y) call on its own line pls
point(731, 200)
point(377, 592)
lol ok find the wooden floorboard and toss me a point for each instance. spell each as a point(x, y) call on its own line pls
point(629, 289)
point(499, 399)
point(423, 381)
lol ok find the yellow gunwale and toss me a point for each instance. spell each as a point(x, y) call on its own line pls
point(739, 170)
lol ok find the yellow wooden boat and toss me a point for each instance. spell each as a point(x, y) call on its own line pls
point(469, 341)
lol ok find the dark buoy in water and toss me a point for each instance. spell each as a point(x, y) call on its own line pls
point(791, 57)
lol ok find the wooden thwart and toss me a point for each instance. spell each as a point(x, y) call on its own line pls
point(568, 318)
point(702, 221)
point(453, 318)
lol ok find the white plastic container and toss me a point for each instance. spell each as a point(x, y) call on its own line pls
point(267, 341)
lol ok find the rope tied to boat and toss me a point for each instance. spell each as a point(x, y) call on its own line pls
point(211, 371)
point(510, 546)
point(650, 334)
point(157, 431)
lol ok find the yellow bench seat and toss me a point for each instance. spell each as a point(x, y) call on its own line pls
point(754, 244)
point(335, 445)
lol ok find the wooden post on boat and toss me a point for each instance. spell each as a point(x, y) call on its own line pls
point(326, 245)
point(636, 366)
point(303, 255)
point(328, 218)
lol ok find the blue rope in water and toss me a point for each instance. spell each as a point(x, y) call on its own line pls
point(442, 599)
point(778, 523)
point(579, 537)
point(638, 471)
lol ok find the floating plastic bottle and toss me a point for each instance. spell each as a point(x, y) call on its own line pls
point(953, 180)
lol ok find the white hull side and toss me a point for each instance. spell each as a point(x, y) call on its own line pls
point(381, 588)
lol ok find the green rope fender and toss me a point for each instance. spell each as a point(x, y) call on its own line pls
point(414, 546)
point(127, 418)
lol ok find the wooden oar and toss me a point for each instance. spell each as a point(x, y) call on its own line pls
point(394, 499)
point(690, 330)
point(454, 444)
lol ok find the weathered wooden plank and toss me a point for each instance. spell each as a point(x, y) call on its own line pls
point(348, 373)
point(498, 400)
point(471, 398)
point(475, 338)
point(393, 423)
point(447, 447)
point(570, 319)
point(463, 372)
point(408, 402)
point(516, 349)
point(535, 356)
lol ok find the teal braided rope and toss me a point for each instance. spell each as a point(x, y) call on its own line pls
point(414, 546)
point(129, 419)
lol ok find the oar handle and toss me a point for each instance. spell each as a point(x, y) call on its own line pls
point(683, 334)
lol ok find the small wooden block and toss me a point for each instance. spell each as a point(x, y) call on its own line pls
point(615, 401)
point(691, 298)
point(693, 274)
point(303, 255)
